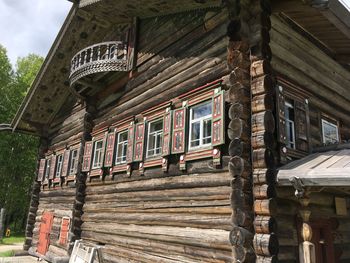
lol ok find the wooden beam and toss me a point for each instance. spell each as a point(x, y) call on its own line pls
point(329, 177)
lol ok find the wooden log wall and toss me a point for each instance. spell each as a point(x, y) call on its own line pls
point(60, 203)
point(34, 202)
point(160, 219)
point(322, 207)
point(174, 216)
point(187, 50)
point(263, 153)
point(67, 126)
point(302, 63)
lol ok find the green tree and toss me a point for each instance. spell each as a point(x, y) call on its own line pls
point(18, 152)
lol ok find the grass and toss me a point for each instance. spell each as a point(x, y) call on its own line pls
point(7, 254)
point(12, 240)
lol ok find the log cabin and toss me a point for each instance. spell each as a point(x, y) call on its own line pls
point(193, 131)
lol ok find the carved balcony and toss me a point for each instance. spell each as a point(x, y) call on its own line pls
point(102, 57)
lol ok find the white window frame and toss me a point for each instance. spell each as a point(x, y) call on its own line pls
point(73, 165)
point(325, 122)
point(121, 144)
point(201, 126)
point(47, 168)
point(289, 143)
point(100, 154)
point(59, 164)
point(155, 134)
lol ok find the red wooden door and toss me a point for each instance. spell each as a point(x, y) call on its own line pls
point(44, 234)
point(64, 231)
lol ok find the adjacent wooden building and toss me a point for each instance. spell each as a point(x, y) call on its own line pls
point(194, 131)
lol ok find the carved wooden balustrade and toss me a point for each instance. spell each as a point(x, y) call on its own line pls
point(102, 57)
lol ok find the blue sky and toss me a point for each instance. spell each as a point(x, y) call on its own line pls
point(30, 26)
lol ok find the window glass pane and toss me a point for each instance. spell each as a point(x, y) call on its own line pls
point(122, 146)
point(195, 134)
point(290, 128)
point(48, 166)
point(330, 132)
point(98, 154)
point(201, 111)
point(155, 133)
point(73, 161)
point(59, 165)
point(207, 131)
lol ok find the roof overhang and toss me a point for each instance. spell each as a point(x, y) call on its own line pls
point(329, 168)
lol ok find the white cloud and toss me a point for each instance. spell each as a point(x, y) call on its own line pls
point(30, 26)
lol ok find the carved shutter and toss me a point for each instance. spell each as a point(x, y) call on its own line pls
point(301, 125)
point(110, 149)
point(218, 122)
point(130, 150)
point(166, 133)
point(53, 167)
point(64, 231)
point(139, 141)
point(179, 131)
point(87, 157)
point(65, 163)
point(41, 171)
point(281, 119)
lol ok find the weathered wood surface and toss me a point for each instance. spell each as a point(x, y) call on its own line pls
point(188, 214)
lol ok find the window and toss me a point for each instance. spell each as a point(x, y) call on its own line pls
point(73, 161)
point(200, 125)
point(98, 154)
point(122, 146)
point(290, 123)
point(155, 138)
point(330, 132)
point(59, 165)
point(47, 170)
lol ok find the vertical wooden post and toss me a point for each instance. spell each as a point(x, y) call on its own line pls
point(2, 221)
point(307, 253)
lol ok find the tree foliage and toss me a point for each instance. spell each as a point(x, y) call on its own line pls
point(18, 152)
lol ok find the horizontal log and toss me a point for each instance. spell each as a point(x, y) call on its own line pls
point(265, 224)
point(263, 158)
point(241, 217)
point(264, 191)
point(213, 238)
point(238, 93)
point(260, 68)
point(262, 85)
point(214, 221)
point(237, 147)
point(240, 236)
point(239, 110)
point(238, 128)
point(242, 254)
point(265, 207)
point(263, 121)
point(266, 244)
point(239, 167)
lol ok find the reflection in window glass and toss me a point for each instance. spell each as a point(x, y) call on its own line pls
point(330, 132)
point(200, 125)
point(290, 126)
point(122, 146)
point(98, 154)
point(59, 165)
point(155, 138)
point(47, 170)
point(73, 161)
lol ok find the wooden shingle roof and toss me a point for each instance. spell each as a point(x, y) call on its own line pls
point(328, 169)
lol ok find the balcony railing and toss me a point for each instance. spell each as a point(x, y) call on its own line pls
point(102, 57)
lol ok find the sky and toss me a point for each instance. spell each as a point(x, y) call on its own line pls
point(30, 26)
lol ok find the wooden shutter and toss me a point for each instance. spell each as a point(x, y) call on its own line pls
point(139, 141)
point(166, 133)
point(218, 122)
point(53, 167)
point(301, 125)
point(87, 157)
point(64, 231)
point(179, 131)
point(130, 150)
point(65, 164)
point(281, 119)
point(41, 171)
point(110, 149)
